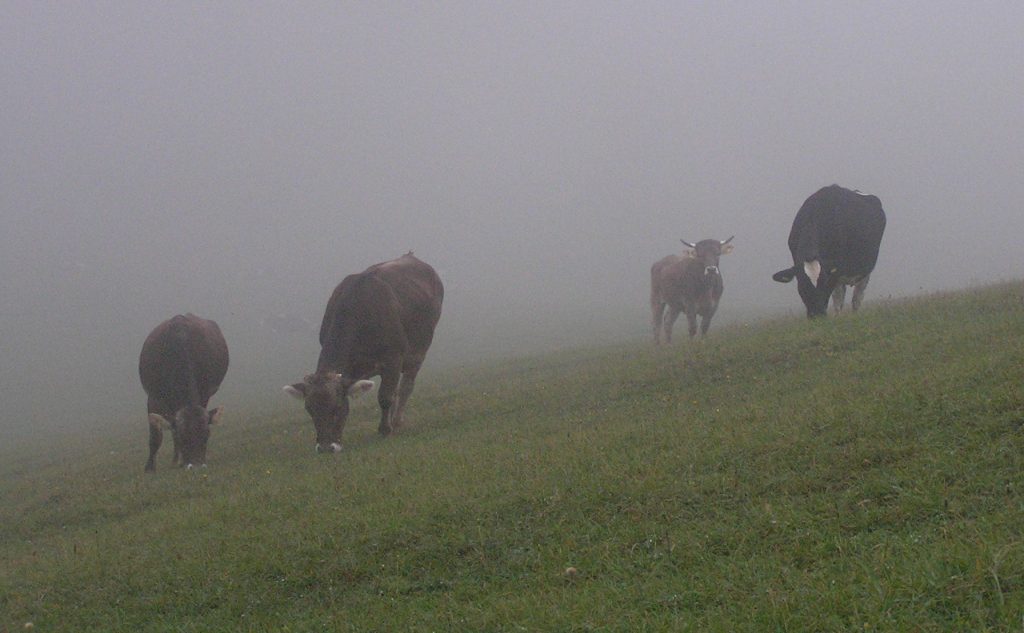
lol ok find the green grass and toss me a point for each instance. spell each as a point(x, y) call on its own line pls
point(862, 473)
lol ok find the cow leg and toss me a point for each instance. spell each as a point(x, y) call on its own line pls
point(839, 298)
point(691, 320)
point(670, 320)
point(405, 388)
point(156, 437)
point(657, 318)
point(389, 379)
point(177, 447)
point(858, 293)
point(705, 323)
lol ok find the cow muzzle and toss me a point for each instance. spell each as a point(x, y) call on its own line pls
point(333, 447)
point(711, 270)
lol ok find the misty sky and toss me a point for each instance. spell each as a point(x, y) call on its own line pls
point(238, 159)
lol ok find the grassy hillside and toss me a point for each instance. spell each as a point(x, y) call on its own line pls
point(860, 473)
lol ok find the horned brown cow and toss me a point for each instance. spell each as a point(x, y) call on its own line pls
point(690, 284)
point(183, 361)
point(379, 322)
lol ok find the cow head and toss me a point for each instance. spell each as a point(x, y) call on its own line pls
point(191, 429)
point(707, 252)
point(326, 397)
point(814, 283)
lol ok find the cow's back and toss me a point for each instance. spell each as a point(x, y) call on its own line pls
point(174, 348)
point(391, 307)
point(419, 292)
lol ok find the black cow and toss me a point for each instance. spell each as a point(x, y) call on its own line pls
point(377, 322)
point(834, 241)
point(182, 364)
point(690, 284)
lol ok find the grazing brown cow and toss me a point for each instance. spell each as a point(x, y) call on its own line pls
point(378, 322)
point(182, 363)
point(690, 283)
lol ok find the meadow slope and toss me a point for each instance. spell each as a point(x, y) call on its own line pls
point(859, 473)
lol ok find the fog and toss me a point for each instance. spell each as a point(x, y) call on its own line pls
point(238, 159)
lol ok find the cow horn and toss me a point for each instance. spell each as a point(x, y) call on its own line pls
point(687, 243)
point(727, 241)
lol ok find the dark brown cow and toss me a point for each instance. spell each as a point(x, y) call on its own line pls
point(691, 284)
point(182, 363)
point(378, 322)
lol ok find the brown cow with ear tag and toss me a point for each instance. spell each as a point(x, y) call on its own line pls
point(183, 361)
point(379, 322)
point(689, 284)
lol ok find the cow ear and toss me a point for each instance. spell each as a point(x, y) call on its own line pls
point(158, 421)
point(216, 414)
point(360, 387)
point(297, 391)
point(785, 276)
point(689, 253)
point(727, 248)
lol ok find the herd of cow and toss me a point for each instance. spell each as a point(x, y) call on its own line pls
point(380, 322)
